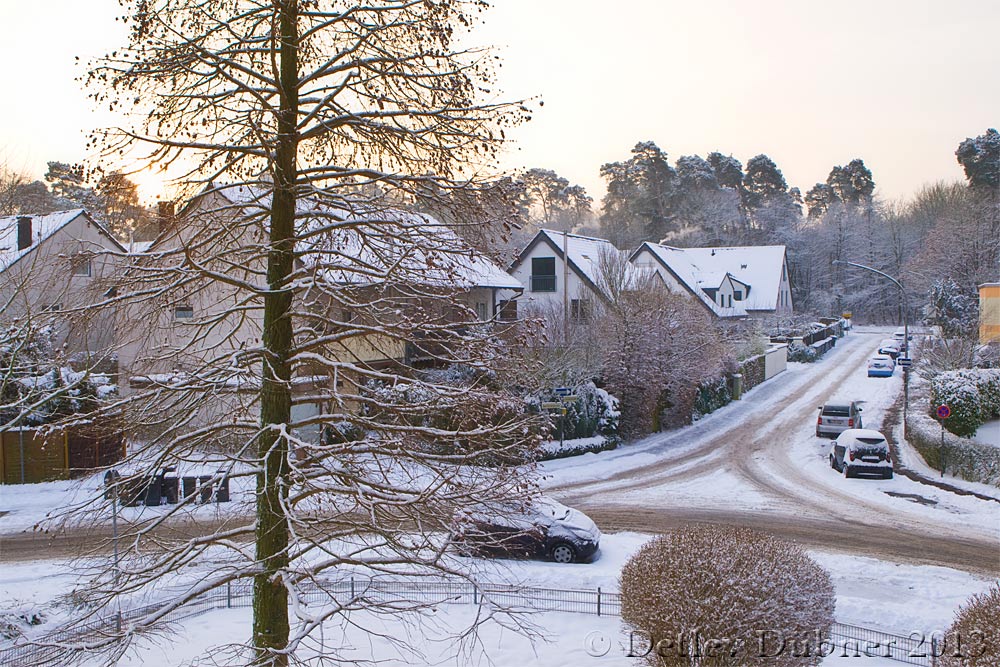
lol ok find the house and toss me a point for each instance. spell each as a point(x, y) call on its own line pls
point(989, 313)
point(730, 282)
point(54, 269)
point(562, 273)
point(373, 288)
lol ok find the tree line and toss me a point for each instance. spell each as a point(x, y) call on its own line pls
point(944, 239)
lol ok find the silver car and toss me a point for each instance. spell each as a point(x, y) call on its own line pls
point(838, 416)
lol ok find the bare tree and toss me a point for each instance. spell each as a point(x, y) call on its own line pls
point(657, 345)
point(283, 310)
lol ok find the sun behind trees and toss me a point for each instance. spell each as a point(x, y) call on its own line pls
point(311, 127)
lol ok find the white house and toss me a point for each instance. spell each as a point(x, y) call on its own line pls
point(53, 269)
point(561, 273)
point(729, 281)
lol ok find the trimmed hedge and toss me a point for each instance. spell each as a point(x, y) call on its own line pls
point(973, 394)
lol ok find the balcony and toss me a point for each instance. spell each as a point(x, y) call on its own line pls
point(543, 283)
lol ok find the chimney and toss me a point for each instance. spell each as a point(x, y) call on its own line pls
point(23, 232)
point(164, 215)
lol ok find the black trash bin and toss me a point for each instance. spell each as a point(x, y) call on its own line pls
point(132, 491)
point(222, 492)
point(171, 489)
point(190, 484)
point(154, 490)
point(205, 486)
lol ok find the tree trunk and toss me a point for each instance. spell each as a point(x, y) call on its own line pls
point(270, 605)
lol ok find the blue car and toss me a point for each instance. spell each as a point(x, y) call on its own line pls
point(881, 366)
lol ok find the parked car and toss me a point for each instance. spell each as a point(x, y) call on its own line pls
point(890, 346)
point(904, 341)
point(861, 451)
point(881, 365)
point(543, 529)
point(838, 416)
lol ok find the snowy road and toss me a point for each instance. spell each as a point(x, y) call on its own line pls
point(758, 462)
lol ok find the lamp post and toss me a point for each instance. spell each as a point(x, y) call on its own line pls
point(906, 326)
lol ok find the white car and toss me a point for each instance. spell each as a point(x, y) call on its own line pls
point(861, 451)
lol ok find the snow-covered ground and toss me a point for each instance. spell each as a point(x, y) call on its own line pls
point(871, 593)
point(989, 433)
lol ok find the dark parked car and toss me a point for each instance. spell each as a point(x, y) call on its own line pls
point(838, 416)
point(861, 451)
point(541, 529)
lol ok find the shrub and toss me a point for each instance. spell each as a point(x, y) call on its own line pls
point(973, 394)
point(977, 626)
point(726, 583)
point(801, 353)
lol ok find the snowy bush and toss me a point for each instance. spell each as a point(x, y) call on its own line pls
point(595, 412)
point(729, 584)
point(712, 395)
point(972, 394)
point(954, 310)
point(973, 640)
point(801, 353)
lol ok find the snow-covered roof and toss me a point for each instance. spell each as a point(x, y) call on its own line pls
point(365, 245)
point(584, 254)
point(757, 266)
point(690, 276)
point(42, 227)
point(699, 269)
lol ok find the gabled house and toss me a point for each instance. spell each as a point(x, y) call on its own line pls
point(730, 282)
point(410, 265)
point(53, 268)
point(561, 273)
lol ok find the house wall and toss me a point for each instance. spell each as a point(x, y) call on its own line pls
point(644, 259)
point(784, 304)
point(547, 301)
point(989, 313)
point(32, 287)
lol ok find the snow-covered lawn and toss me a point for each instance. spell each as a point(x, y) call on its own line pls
point(989, 433)
point(898, 598)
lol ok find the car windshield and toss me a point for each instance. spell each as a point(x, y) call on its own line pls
point(870, 451)
point(837, 411)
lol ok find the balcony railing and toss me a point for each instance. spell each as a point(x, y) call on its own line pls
point(543, 283)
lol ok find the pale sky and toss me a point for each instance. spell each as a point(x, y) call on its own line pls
point(898, 83)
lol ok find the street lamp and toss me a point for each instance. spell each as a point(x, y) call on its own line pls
point(906, 326)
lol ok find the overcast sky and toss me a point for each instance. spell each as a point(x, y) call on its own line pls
point(896, 83)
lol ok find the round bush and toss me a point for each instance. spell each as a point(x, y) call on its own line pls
point(732, 595)
point(973, 640)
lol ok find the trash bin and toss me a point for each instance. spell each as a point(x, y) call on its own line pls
point(170, 487)
point(154, 490)
point(190, 484)
point(222, 492)
point(205, 487)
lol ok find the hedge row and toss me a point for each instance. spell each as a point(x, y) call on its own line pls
point(717, 392)
point(972, 394)
point(967, 459)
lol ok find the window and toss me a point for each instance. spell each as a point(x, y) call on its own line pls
point(508, 310)
point(543, 274)
point(81, 267)
point(738, 294)
point(481, 313)
point(580, 310)
point(54, 308)
point(183, 312)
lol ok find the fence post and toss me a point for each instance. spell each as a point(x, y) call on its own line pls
point(598, 600)
point(352, 588)
point(934, 651)
point(475, 594)
point(229, 595)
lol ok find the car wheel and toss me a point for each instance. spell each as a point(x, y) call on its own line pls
point(887, 474)
point(848, 473)
point(833, 463)
point(563, 552)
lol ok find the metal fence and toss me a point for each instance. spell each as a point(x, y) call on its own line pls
point(849, 640)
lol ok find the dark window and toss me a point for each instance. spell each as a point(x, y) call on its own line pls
point(580, 310)
point(481, 313)
point(508, 310)
point(837, 411)
point(183, 312)
point(738, 295)
point(543, 274)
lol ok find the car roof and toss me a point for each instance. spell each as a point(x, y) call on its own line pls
point(855, 433)
point(881, 356)
point(892, 341)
